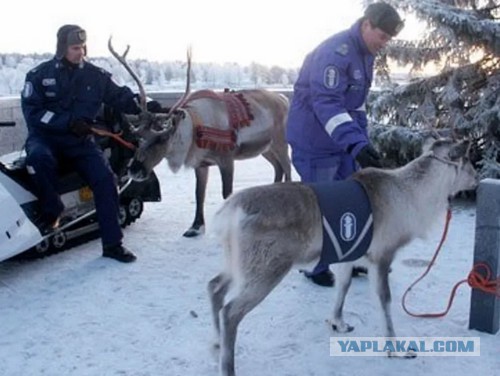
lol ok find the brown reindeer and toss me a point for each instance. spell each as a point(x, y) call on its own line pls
point(207, 128)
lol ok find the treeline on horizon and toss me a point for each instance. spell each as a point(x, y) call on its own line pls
point(157, 76)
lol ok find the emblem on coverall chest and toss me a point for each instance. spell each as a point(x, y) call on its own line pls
point(48, 82)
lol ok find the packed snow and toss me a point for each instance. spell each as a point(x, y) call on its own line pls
point(76, 313)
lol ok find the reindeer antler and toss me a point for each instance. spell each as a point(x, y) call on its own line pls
point(181, 101)
point(123, 60)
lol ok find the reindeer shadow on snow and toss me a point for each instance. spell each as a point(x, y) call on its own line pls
point(266, 230)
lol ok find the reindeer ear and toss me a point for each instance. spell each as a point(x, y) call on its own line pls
point(427, 144)
point(459, 151)
point(177, 117)
point(132, 119)
point(442, 147)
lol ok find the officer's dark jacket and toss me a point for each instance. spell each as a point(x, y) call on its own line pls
point(57, 92)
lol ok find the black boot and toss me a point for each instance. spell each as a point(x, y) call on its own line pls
point(358, 270)
point(324, 278)
point(47, 224)
point(119, 253)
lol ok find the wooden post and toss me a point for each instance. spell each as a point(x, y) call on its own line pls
point(485, 308)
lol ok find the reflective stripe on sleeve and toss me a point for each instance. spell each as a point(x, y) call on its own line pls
point(337, 120)
point(47, 117)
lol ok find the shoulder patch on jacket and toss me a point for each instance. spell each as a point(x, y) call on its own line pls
point(27, 89)
point(331, 77)
point(343, 49)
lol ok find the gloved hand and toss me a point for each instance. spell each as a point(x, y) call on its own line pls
point(368, 157)
point(153, 106)
point(80, 127)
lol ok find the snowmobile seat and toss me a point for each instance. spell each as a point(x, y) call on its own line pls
point(69, 179)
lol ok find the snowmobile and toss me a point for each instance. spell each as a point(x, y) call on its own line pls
point(21, 231)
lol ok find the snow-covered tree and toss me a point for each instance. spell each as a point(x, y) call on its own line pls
point(455, 85)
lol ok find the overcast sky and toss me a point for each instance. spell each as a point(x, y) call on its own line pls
point(265, 31)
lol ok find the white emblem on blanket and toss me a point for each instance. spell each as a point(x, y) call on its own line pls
point(347, 227)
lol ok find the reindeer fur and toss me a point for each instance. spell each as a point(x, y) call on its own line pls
point(265, 135)
point(267, 230)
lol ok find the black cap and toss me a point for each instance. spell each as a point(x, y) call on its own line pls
point(385, 17)
point(68, 35)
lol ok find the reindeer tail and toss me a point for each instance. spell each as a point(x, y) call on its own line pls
point(227, 227)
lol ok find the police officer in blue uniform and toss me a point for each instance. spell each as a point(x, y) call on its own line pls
point(60, 100)
point(327, 119)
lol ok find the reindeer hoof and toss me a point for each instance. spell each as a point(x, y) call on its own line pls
point(343, 329)
point(411, 354)
point(193, 232)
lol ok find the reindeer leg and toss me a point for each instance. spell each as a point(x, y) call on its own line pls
point(198, 226)
point(250, 295)
point(217, 290)
point(278, 170)
point(384, 295)
point(280, 154)
point(343, 277)
point(383, 291)
point(227, 173)
point(286, 164)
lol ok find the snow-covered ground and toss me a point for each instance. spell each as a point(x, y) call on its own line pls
point(77, 313)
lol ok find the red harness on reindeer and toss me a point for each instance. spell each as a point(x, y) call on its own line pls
point(211, 136)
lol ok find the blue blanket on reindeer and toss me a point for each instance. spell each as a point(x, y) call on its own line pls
point(347, 220)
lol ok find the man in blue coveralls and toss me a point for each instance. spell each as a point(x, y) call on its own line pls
point(60, 100)
point(327, 119)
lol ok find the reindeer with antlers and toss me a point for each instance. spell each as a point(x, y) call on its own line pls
point(206, 128)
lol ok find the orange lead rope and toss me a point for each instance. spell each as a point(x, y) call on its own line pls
point(475, 280)
point(115, 136)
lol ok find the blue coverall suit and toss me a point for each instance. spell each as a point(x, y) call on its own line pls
point(327, 119)
point(56, 93)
